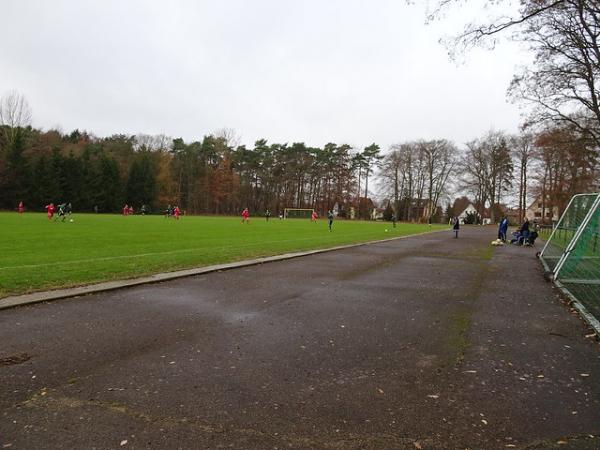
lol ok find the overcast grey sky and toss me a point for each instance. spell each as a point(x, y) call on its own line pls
point(344, 71)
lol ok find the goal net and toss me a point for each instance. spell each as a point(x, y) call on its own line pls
point(572, 252)
point(297, 213)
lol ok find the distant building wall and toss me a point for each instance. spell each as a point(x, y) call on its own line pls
point(535, 210)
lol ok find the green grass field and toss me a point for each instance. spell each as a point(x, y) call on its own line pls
point(38, 254)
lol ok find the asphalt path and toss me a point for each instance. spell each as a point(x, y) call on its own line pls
point(428, 342)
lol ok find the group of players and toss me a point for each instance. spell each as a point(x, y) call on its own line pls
point(313, 217)
point(127, 210)
point(62, 210)
point(173, 211)
point(65, 209)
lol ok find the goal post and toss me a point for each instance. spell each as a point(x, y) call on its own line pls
point(297, 213)
point(572, 255)
point(565, 229)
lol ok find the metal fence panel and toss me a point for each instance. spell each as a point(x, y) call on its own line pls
point(572, 253)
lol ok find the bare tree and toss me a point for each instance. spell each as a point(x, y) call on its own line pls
point(487, 34)
point(408, 178)
point(14, 110)
point(562, 85)
point(393, 175)
point(523, 151)
point(562, 82)
point(439, 156)
point(371, 157)
point(153, 142)
point(487, 170)
point(419, 175)
point(229, 135)
point(413, 170)
point(15, 113)
point(474, 173)
point(413, 178)
point(500, 168)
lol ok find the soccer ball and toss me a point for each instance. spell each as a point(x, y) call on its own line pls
point(386, 230)
point(71, 220)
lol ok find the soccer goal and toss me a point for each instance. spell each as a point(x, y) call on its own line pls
point(297, 213)
point(571, 255)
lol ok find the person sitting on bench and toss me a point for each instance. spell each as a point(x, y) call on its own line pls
point(522, 234)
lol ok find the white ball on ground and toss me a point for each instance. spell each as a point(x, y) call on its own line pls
point(71, 220)
point(386, 230)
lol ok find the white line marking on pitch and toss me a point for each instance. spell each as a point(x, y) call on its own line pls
point(172, 252)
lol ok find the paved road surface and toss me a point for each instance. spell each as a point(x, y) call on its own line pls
point(428, 342)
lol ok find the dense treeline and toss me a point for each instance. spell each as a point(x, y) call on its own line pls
point(217, 176)
point(213, 176)
point(208, 176)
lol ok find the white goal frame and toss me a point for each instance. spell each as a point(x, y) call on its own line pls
point(582, 230)
point(285, 212)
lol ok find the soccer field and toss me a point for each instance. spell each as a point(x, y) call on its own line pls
point(38, 254)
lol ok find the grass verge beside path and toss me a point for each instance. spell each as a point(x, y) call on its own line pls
point(38, 254)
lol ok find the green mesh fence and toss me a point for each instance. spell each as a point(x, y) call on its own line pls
point(572, 252)
point(564, 231)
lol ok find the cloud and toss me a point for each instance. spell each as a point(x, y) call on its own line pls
point(343, 71)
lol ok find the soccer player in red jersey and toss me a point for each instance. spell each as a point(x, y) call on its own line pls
point(21, 208)
point(245, 215)
point(176, 212)
point(50, 208)
point(313, 216)
point(126, 210)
